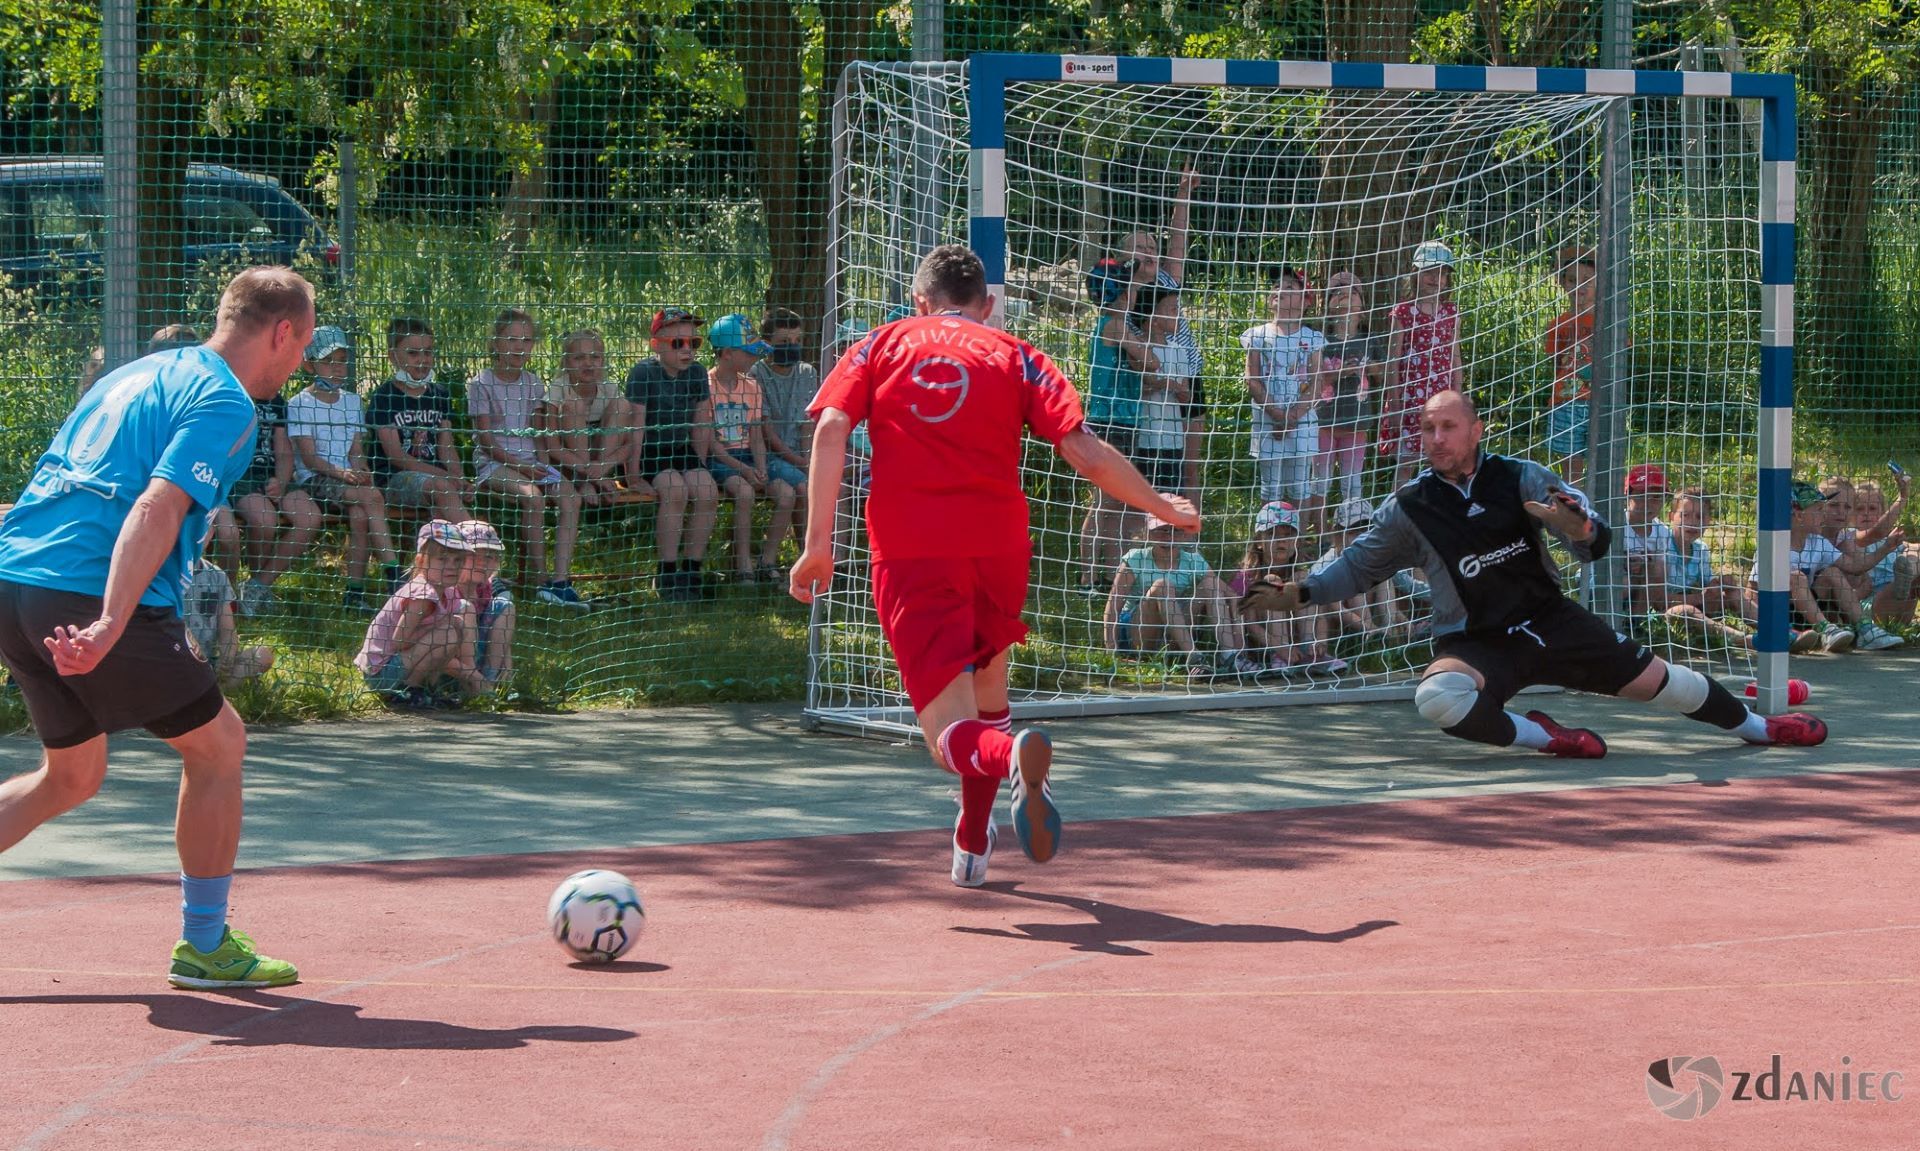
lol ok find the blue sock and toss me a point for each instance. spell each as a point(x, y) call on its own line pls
point(203, 910)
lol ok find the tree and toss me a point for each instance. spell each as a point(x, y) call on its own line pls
point(1856, 62)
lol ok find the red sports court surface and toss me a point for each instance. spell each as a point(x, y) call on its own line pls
point(1490, 972)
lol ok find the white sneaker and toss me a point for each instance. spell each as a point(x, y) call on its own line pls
point(1835, 639)
point(970, 870)
point(1873, 637)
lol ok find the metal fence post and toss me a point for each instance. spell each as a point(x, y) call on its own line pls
point(1613, 296)
point(120, 111)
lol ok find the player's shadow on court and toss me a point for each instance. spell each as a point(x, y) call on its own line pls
point(253, 1019)
point(1115, 927)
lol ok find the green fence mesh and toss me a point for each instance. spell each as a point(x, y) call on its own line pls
point(591, 164)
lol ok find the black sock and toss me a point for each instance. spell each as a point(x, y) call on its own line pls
point(668, 567)
point(1721, 710)
point(691, 565)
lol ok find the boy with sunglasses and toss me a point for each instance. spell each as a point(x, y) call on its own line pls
point(672, 433)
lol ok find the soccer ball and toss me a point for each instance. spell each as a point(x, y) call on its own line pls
point(595, 915)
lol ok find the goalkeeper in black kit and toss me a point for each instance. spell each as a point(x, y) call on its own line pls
point(1472, 521)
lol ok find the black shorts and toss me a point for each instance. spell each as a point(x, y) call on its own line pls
point(151, 678)
point(1165, 469)
point(1564, 645)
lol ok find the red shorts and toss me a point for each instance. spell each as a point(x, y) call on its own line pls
point(943, 617)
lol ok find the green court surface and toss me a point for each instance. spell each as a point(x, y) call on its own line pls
point(435, 787)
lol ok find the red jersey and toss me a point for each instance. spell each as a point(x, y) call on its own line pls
point(945, 400)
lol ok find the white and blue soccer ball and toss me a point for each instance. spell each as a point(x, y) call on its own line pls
point(596, 915)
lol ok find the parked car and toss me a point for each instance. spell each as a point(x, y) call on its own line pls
point(53, 220)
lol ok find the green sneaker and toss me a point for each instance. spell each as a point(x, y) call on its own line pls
point(234, 964)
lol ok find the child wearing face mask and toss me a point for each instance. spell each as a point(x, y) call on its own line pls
point(787, 385)
point(414, 461)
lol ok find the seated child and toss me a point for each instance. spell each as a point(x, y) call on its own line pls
point(1698, 595)
point(1644, 540)
point(210, 627)
point(1160, 593)
point(1875, 534)
point(589, 424)
point(490, 600)
point(422, 634)
point(1353, 617)
point(1273, 641)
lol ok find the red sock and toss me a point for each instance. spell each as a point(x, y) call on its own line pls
point(971, 747)
point(978, 793)
point(1001, 720)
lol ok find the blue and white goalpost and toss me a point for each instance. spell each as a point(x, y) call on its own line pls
point(1678, 186)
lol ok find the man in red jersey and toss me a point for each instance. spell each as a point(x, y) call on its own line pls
point(945, 399)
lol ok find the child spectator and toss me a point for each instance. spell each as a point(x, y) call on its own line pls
point(1167, 272)
point(490, 600)
point(1273, 641)
point(91, 369)
point(422, 632)
point(1423, 356)
point(414, 461)
point(1370, 612)
point(266, 500)
point(1283, 363)
point(504, 401)
point(1695, 593)
point(1644, 540)
point(1892, 579)
point(1569, 344)
point(672, 417)
point(1351, 367)
point(1160, 594)
point(1812, 575)
point(170, 337)
point(1857, 561)
point(589, 425)
point(210, 627)
point(787, 385)
point(328, 431)
point(1166, 392)
point(1117, 355)
point(740, 462)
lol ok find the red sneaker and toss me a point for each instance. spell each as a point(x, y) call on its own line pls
point(1796, 729)
point(1569, 742)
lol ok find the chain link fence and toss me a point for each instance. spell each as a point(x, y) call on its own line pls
point(441, 170)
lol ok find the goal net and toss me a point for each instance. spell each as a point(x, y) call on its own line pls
point(1590, 258)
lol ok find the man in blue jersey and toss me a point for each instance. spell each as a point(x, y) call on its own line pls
point(94, 561)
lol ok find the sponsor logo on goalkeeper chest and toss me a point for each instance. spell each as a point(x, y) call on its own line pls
point(1471, 566)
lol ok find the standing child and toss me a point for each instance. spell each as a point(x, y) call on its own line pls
point(948, 527)
point(1283, 363)
point(1166, 391)
point(1569, 345)
point(1351, 367)
point(504, 400)
point(325, 423)
point(1117, 359)
point(490, 601)
point(1423, 357)
point(422, 633)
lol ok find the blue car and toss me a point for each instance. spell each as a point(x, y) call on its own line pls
point(53, 221)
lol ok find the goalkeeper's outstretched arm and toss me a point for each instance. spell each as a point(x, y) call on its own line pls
point(1104, 467)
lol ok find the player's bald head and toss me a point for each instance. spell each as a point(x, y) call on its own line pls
point(1458, 404)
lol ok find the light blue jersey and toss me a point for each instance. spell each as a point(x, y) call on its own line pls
point(181, 416)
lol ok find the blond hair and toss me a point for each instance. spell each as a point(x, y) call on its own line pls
point(262, 297)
